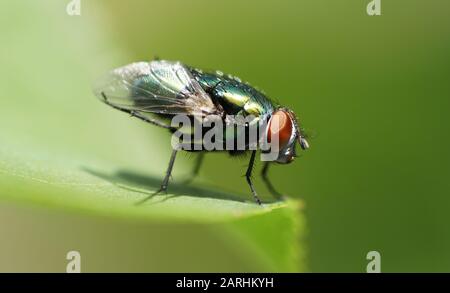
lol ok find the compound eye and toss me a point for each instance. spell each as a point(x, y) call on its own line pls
point(280, 124)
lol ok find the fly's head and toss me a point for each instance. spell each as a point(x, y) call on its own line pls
point(283, 124)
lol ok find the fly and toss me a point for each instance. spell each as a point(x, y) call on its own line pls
point(157, 91)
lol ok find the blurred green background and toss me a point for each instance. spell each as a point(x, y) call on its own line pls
point(376, 91)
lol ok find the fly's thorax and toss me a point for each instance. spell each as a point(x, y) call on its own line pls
point(236, 97)
point(233, 95)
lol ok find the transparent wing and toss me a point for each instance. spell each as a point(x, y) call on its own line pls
point(155, 87)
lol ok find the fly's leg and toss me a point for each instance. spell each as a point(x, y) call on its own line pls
point(198, 164)
point(165, 181)
point(269, 185)
point(136, 114)
point(248, 176)
point(195, 171)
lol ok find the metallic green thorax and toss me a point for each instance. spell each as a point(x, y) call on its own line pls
point(236, 97)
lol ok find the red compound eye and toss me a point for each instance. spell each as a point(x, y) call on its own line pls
point(280, 124)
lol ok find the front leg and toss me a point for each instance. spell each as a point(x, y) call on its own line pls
point(269, 185)
point(248, 176)
point(198, 164)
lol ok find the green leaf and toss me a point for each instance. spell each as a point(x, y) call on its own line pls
point(63, 151)
point(96, 189)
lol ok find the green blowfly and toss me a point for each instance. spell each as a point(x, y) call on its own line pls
point(157, 91)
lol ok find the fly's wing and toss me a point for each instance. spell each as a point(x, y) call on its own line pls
point(161, 87)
